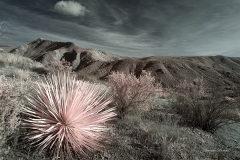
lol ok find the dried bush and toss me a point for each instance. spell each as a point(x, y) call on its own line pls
point(56, 65)
point(203, 107)
point(132, 92)
point(11, 103)
point(67, 117)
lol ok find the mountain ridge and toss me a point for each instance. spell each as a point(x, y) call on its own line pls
point(218, 70)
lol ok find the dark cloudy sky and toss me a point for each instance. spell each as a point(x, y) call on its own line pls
point(132, 27)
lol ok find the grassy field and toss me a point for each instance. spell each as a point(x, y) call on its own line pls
point(152, 134)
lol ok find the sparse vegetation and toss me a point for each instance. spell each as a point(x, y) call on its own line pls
point(16, 66)
point(201, 106)
point(147, 139)
point(153, 134)
point(18, 61)
point(12, 93)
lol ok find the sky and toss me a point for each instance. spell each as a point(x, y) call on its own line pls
point(135, 28)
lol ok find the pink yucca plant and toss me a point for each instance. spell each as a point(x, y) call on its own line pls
point(67, 116)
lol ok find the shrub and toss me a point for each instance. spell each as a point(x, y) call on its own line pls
point(67, 116)
point(55, 65)
point(11, 104)
point(132, 92)
point(203, 107)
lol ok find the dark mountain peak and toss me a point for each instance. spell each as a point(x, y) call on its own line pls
point(47, 50)
point(52, 45)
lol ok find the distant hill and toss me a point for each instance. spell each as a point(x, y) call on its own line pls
point(219, 70)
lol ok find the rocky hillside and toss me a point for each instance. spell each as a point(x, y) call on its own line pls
point(219, 70)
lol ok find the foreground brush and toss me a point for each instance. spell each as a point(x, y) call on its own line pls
point(66, 116)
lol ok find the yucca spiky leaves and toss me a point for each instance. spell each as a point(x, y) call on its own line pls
point(66, 115)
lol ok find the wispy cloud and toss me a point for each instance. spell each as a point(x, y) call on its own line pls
point(136, 28)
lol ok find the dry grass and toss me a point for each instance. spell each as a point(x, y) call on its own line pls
point(17, 73)
point(12, 92)
point(18, 61)
point(139, 138)
point(19, 67)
